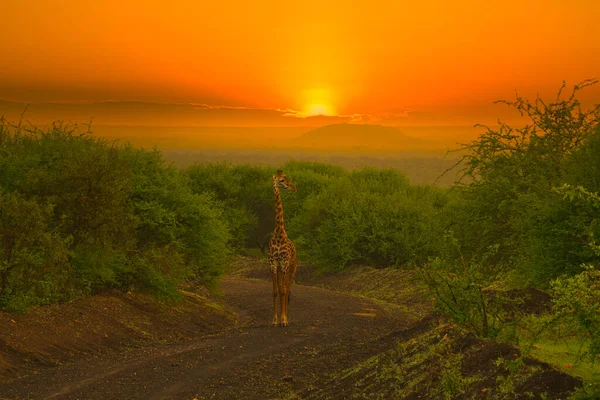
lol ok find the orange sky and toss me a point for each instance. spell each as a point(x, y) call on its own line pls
point(441, 59)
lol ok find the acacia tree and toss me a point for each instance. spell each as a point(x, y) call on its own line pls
point(538, 149)
point(507, 199)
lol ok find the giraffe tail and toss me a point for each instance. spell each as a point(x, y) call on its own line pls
point(289, 297)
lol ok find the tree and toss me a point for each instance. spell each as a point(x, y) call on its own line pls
point(508, 200)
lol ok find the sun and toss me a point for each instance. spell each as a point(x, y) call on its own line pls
point(318, 109)
point(318, 102)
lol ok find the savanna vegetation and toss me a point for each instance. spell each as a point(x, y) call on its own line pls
point(80, 214)
point(528, 218)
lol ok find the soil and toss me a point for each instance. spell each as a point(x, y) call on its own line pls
point(120, 346)
point(392, 286)
point(54, 335)
point(327, 331)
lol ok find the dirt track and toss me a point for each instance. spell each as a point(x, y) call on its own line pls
point(328, 332)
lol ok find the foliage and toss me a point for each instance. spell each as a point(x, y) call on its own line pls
point(468, 291)
point(370, 217)
point(171, 217)
point(509, 200)
point(576, 299)
point(244, 194)
point(576, 303)
point(33, 261)
point(125, 219)
point(570, 333)
point(121, 217)
point(539, 148)
point(532, 197)
point(80, 214)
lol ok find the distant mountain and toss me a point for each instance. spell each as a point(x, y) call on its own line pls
point(360, 136)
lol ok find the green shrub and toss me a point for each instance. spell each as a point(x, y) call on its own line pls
point(469, 291)
point(311, 178)
point(96, 215)
point(554, 233)
point(170, 217)
point(34, 267)
point(509, 200)
point(576, 304)
point(583, 165)
point(371, 217)
point(576, 299)
point(245, 196)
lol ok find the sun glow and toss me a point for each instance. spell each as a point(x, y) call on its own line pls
point(318, 101)
point(318, 109)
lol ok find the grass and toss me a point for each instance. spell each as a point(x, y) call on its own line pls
point(423, 365)
point(564, 352)
point(563, 355)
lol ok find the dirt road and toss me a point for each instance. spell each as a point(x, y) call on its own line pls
point(328, 332)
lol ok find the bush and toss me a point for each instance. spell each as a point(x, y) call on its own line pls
point(469, 291)
point(34, 262)
point(81, 214)
point(371, 217)
point(243, 191)
point(246, 195)
point(311, 178)
point(576, 304)
point(509, 201)
point(576, 299)
point(172, 217)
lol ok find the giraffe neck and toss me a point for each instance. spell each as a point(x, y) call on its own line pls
point(279, 224)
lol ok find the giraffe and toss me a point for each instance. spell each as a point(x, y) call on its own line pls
point(282, 254)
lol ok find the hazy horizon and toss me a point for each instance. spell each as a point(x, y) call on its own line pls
point(171, 126)
point(238, 75)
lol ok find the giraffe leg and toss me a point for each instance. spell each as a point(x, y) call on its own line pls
point(282, 299)
point(275, 298)
point(283, 304)
point(286, 297)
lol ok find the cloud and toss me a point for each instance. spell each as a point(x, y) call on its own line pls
point(162, 114)
point(205, 114)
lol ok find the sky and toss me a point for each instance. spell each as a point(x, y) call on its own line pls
point(285, 63)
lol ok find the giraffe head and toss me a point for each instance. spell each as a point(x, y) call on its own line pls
point(283, 182)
